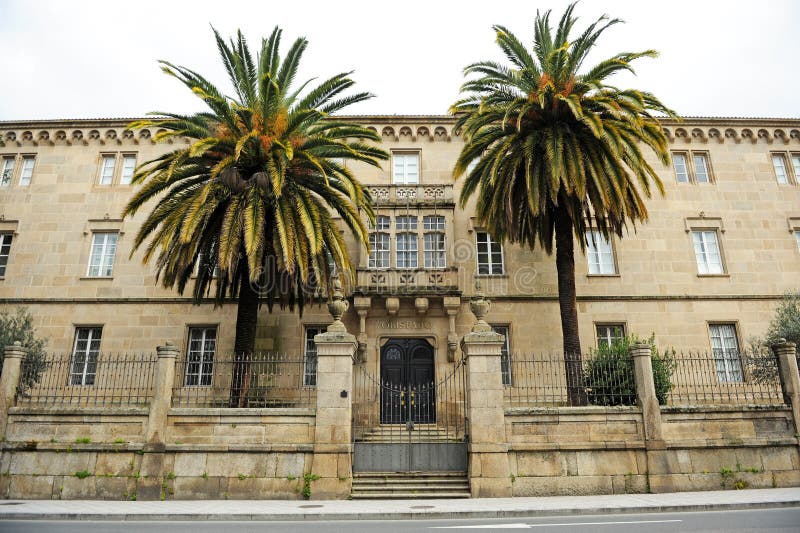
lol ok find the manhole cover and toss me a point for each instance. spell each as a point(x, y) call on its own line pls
point(309, 506)
point(422, 507)
point(11, 503)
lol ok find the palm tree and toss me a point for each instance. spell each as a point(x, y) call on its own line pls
point(558, 151)
point(255, 191)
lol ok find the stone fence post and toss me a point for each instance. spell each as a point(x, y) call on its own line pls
point(163, 382)
point(489, 467)
point(333, 448)
point(790, 380)
point(646, 392)
point(9, 380)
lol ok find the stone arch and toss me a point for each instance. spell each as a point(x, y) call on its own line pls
point(440, 134)
point(681, 133)
point(715, 134)
point(388, 132)
point(748, 134)
point(699, 134)
point(781, 135)
point(406, 133)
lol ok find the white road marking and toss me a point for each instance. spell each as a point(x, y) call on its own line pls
point(529, 526)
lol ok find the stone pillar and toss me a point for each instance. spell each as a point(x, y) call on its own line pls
point(163, 382)
point(646, 392)
point(332, 461)
point(489, 467)
point(658, 464)
point(9, 380)
point(786, 353)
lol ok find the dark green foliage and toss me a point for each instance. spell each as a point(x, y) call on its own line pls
point(608, 375)
point(18, 326)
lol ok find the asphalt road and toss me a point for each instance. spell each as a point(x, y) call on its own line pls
point(772, 520)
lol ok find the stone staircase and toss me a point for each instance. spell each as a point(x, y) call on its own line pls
point(409, 485)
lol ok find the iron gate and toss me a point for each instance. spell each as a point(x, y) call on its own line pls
point(410, 427)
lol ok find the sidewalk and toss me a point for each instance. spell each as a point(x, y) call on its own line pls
point(396, 509)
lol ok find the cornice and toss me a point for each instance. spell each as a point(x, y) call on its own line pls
point(393, 128)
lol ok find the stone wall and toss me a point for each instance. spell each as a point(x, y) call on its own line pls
point(208, 453)
point(601, 450)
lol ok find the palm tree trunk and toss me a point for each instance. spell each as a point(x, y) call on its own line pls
point(244, 344)
point(565, 265)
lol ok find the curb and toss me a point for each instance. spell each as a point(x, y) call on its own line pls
point(405, 515)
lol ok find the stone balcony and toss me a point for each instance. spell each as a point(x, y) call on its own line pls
point(419, 282)
point(415, 195)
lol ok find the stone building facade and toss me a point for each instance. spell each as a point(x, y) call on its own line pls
point(720, 249)
point(704, 274)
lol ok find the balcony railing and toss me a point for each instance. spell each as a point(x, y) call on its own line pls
point(417, 195)
point(440, 281)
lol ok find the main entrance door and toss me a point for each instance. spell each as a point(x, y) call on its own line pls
point(407, 375)
point(406, 419)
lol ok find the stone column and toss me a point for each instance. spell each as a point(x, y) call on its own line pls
point(163, 382)
point(489, 467)
point(658, 464)
point(332, 461)
point(9, 380)
point(646, 392)
point(790, 380)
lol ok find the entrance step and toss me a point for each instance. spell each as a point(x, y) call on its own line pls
point(399, 433)
point(410, 485)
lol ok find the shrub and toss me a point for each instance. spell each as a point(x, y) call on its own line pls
point(608, 375)
point(18, 326)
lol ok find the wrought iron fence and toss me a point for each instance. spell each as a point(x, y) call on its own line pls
point(88, 379)
point(725, 377)
point(548, 379)
point(259, 380)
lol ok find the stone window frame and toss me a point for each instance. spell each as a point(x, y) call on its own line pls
point(791, 166)
point(188, 351)
point(794, 229)
point(5, 158)
point(691, 171)
point(118, 168)
point(704, 223)
point(608, 324)
point(309, 376)
point(611, 244)
point(737, 338)
point(429, 248)
point(89, 355)
point(490, 265)
point(506, 375)
point(4, 266)
point(407, 152)
point(101, 225)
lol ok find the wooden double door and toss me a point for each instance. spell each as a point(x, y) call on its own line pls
point(408, 389)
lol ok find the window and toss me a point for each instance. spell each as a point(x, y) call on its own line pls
point(490, 254)
point(505, 354)
point(27, 170)
point(779, 164)
point(107, 170)
point(378, 250)
point(310, 356)
point(607, 334)
point(406, 223)
point(433, 242)
point(405, 168)
point(698, 172)
point(407, 256)
point(7, 172)
point(84, 355)
point(796, 236)
point(706, 249)
point(725, 347)
point(701, 173)
point(199, 264)
point(796, 166)
point(128, 168)
point(5, 251)
point(681, 168)
point(200, 356)
point(382, 223)
point(101, 258)
point(599, 254)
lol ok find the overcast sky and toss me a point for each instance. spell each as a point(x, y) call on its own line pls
point(86, 59)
